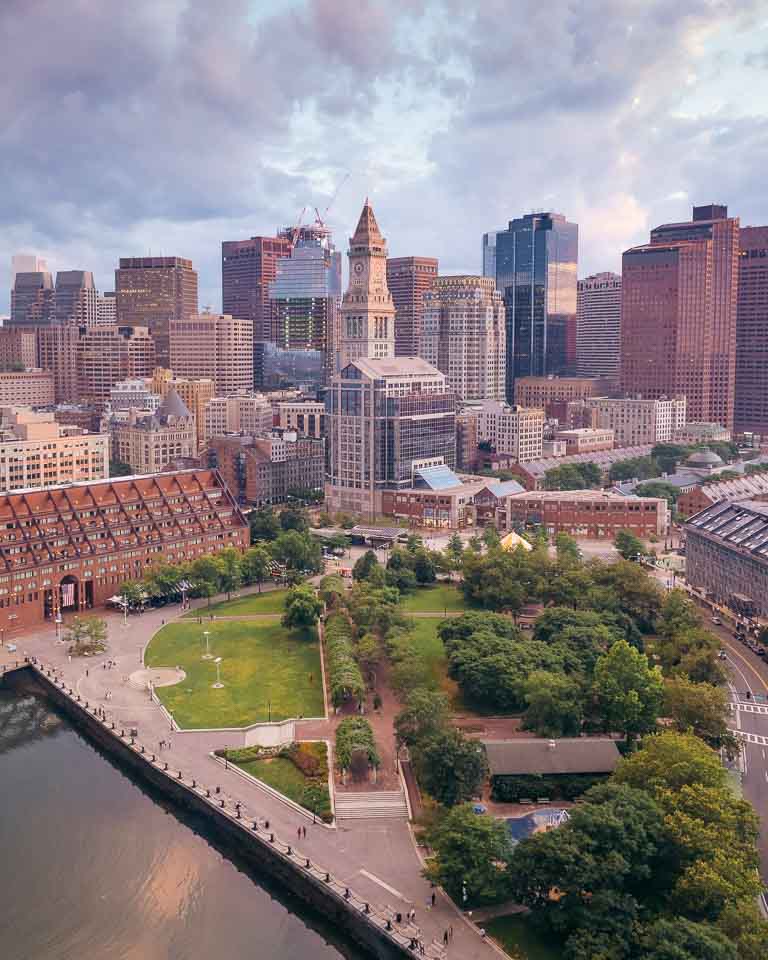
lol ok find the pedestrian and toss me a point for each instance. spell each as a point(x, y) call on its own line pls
point(398, 918)
point(450, 932)
point(69, 657)
point(299, 833)
point(304, 831)
point(482, 933)
point(86, 672)
point(433, 899)
point(445, 939)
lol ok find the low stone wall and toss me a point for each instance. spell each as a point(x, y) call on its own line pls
point(271, 734)
point(251, 838)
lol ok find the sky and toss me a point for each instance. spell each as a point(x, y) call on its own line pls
point(167, 126)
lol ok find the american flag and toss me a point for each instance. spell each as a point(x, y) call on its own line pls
point(67, 594)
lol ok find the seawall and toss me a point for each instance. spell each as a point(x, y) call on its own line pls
point(251, 838)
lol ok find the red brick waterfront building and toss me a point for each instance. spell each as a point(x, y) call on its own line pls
point(66, 549)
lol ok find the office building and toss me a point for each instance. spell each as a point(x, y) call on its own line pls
point(306, 417)
point(133, 395)
point(27, 263)
point(463, 335)
point(553, 393)
point(367, 322)
point(248, 267)
point(32, 300)
point(75, 298)
point(153, 292)
point(598, 326)
point(195, 392)
point(29, 388)
point(215, 346)
point(678, 314)
point(246, 413)
point(726, 554)
point(36, 451)
point(385, 418)
point(408, 278)
point(637, 422)
point(57, 349)
point(54, 566)
point(586, 440)
point(148, 442)
point(18, 348)
point(108, 354)
point(751, 400)
point(271, 468)
point(535, 270)
point(106, 307)
point(304, 296)
point(516, 431)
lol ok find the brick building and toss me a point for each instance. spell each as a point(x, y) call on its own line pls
point(748, 487)
point(303, 416)
point(408, 278)
point(18, 348)
point(68, 549)
point(214, 346)
point(726, 554)
point(31, 388)
point(107, 354)
point(586, 440)
point(751, 402)
point(546, 392)
point(517, 431)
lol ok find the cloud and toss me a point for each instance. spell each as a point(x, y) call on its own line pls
point(174, 124)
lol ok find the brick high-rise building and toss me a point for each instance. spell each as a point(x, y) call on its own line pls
point(678, 327)
point(32, 300)
point(152, 292)
point(216, 346)
point(248, 267)
point(107, 354)
point(598, 326)
point(18, 348)
point(751, 403)
point(463, 335)
point(57, 351)
point(75, 298)
point(408, 278)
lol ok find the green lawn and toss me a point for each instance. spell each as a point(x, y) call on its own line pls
point(271, 601)
point(283, 775)
point(431, 648)
point(521, 941)
point(439, 598)
point(279, 773)
point(262, 662)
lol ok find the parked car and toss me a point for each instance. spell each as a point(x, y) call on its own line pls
point(722, 655)
point(717, 620)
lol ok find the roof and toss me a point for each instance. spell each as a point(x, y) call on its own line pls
point(396, 367)
point(376, 533)
point(439, 477)
point(172, 406)
point(505, 487)
point(741, 525)
point(367, 232)
point(604, 458)
point(704, 458)
point(575, 755)
point(738, 488)
point(513, 540)
point(604, 496)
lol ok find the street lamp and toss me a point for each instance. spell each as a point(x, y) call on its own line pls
point(218, 685)
point(207, 637)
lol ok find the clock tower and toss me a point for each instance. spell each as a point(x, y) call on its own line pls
point(367, 321)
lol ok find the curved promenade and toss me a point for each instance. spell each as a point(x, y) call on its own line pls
point(375, 859)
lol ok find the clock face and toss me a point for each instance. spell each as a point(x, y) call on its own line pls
point(358, 268)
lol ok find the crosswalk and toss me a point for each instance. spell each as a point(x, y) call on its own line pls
point(375, 805)
point(752, 737)
point(751, 707)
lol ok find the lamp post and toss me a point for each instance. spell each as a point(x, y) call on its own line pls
point(218, 685)
point(207, 637)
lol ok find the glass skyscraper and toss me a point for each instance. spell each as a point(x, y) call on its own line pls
point(535, 262)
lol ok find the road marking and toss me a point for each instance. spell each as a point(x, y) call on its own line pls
point(395, 893)
point(727, 643)
point(752, 737)
point(750, 707)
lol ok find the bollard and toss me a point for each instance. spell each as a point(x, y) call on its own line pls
point(271, 838)
point(194, 784)
point(133, 741)
point(218, 789)
point(255, 827)
point(307, 864)
point(207, 793)
point(367, 908)
point(179, 775)
point(153, 758)
point(289, 850)
point(165, 765)
point(327, 877)
point(221, 804)
point(346, 893)
point(389, 924)
point(142, 748)
point(266, 824)
point(113, 724)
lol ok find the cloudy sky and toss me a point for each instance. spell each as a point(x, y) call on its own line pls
point(166, 126)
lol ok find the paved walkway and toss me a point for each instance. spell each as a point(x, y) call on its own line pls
point(376, 858)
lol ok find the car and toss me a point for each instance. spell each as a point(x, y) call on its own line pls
point(717, 620)
point(722, 655)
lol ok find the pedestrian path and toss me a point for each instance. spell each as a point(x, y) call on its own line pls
point(371, 805)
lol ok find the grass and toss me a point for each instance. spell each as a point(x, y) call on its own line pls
point(262, 662)
point(521, 940)
point(271, 601)
point(438, 599)
point(283, 775)
point(430, 646)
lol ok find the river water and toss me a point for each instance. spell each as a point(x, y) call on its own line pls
point(93, 866)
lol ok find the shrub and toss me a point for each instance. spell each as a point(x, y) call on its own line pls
point(344, 676)
point(351, 733)
point(511, 789)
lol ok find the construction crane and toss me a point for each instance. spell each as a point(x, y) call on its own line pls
point(297, 229)
point(321, 219)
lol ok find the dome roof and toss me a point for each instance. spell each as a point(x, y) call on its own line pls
point(704, 458)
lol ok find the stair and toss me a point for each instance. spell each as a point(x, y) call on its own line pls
point(384, 804)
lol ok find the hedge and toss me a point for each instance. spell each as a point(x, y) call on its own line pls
point(344, 676)
point(351, 733)
point(509, 789)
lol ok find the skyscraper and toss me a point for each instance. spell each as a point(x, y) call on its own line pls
point(751, 401)
point(32, 303)
point(248, 267)
point(463, 335)
point(75, 298)
point(304, 297)
point(153, 291)
point(367, 311)
point(535, 269)
point(598, 326)
point(678, 314)
point(107, 354)
point(408, 278)
point(27, 263)
point(216, 346)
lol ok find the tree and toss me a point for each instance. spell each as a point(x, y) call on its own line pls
point(554, 705)
point(628, 545)
point(660, 489)
point(132, 591)
point(119, 469)
point(294, 518)
point(669, 761)
point(450, 766)
point(364, 565)
point(206, 576)
point(298, 551)
point(368, 654)
point(332, 590)
point(469, 853)
point(423, 567)
point(701, 709)
point(573, 476)
point(634, 468)
point(668, 455)
point(491, 538)
point(492, 580)
point(86, 636)
point(568, 552)
point(628, 692)
point(230, 571)
point(257, 564)
point(302, 608)
point(624, 587)
point(680, 939)
point(455, 546)
point(424, 715)
point(264, 524)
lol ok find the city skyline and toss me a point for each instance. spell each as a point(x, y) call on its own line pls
point(650, 104)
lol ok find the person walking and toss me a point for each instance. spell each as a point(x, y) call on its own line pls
point(445, 939)
point(433, 898)
point(298, 833)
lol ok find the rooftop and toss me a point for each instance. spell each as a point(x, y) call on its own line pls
point(736, 524)
point(394, 367)
point(537, 468)
point(605, 496)
point(575, 755)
